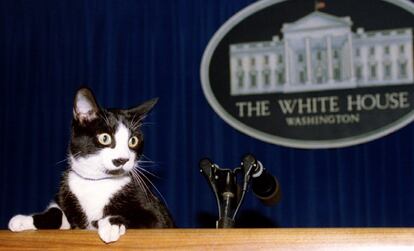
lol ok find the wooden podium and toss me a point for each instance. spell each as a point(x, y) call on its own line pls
point(308, 239)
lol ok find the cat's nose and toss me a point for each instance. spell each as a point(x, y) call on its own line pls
point(119, 162)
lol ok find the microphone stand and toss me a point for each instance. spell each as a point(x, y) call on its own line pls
point(228, 192)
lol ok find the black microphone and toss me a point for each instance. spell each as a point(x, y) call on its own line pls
point(264, 185)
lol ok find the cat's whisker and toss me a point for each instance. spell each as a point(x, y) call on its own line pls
point(146, 188)
point(133, 119)
point(105, 118)
point(148, 159)
point(147, 124)
point(147, 163)
point(138, 124)
point(138, 180)
point(146, 171)
point(158, 191)
point(135, 125)
point(147, 167)
point(134, 128)
point(142, 184)
point(64, 160)
point(142, 118)
point(67, 158)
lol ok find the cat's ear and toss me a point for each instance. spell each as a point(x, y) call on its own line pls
point(142, 110)
point(85, 108)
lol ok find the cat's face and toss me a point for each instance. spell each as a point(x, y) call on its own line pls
point(105, 143)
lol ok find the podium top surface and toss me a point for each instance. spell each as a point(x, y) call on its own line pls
point(217, 239)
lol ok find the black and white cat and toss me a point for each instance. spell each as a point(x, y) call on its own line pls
point(102, 189)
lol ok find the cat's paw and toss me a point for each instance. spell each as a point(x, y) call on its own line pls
point(110, 232)
point(21, 223)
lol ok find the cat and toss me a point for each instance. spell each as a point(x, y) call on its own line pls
point(103, 187)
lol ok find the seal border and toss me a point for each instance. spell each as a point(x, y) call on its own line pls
point(273, 139)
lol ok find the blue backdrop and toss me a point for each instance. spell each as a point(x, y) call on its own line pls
point(129, 51)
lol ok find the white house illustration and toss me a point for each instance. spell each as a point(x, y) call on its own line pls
point(320, 52)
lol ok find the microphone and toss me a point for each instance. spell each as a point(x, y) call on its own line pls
point(230, 186)
point(264, 185)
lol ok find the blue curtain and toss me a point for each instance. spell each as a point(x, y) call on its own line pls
point(129, 51)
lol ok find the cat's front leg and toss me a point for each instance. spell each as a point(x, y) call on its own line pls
point(111, 228)
point(52, 218)
point(21, 223)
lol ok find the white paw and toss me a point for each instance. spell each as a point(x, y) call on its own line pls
point(21, 222)
point(110, 233)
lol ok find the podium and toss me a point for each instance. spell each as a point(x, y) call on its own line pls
point(308, 239)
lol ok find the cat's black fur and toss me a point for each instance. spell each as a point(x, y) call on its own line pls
point(130, 206)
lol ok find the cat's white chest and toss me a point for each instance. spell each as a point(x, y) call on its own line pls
point(94, 195)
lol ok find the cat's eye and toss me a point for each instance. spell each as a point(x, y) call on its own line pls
point(105, 139)
point(133, 141)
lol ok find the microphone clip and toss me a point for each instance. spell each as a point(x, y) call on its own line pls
point(230, 186)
